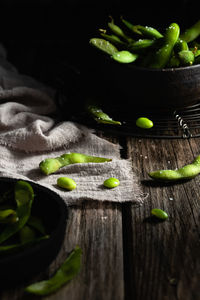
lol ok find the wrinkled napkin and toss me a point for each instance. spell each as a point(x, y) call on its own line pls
point(29, 133)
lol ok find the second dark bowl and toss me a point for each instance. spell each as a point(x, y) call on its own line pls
point(19, 267)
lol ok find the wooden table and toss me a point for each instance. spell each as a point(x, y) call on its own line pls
point(127, 256)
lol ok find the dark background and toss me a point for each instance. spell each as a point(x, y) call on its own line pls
point(36, 32)
point(48, 39)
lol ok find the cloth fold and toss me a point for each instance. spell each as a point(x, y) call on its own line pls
point(29, 133)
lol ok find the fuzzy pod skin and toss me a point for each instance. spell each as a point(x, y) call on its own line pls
point(180, 45)
point(51, 165)
point(124, 56)
point(103, 45)
point(161, 57)
point(186, 172)
point(146, 31)
point(186, 57)
point(99, 116)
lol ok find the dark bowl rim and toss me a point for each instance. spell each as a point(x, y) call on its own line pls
point(179, 69)
point(134, 67)
point(61, 222)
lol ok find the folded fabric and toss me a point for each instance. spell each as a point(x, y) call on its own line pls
point(30, 133)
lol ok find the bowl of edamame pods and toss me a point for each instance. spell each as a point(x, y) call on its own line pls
point(149, 67)
point(32, 228)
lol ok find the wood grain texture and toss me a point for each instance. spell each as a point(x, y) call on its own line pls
point(97, 229)
point(165, 254)
point(127, 255)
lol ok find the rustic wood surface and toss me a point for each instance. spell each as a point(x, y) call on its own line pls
point(125, 254)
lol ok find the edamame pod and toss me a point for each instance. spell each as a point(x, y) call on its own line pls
point(99, 116)
point(68, 270)
point(148, 32)
point(196, 53)
point(124, 57)
point(113, 39)
point(103, 45)
point(119, 32)
point(20, 246)
point(161, 57)
point(180, 46)
point(141, 44)
point(24, 196)
point(51, 165)
point(187, 172)
point(191, 33)
point(174, 62)
point(186, 57)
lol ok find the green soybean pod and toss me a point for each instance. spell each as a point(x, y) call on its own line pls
point(180, 46)
point(99, 116)
point(186, 172)
point(161, 57)
point(67, 271)
point(119, 32)
point(103, 45)
point(24, 196)
point(111, 182)
point(52, 165)
point(144, 123)
point(124, 57)
point(191, 33)
point(66, 183)
point(174, 62)
point(114, 39)
point(159, 213)
point(147, 31)
point(186, 57)
point(141, 44)
point(196, 53)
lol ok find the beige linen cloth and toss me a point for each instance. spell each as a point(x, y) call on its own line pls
point(29, 134)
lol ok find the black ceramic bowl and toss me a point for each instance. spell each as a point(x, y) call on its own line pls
point(22, 266)
point(132, 87)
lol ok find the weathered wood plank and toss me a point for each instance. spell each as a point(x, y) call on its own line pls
point(97, 229)
point(159, 250)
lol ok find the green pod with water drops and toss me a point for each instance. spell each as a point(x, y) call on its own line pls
point(160, 58)
point(124, 57)
point(103, 45)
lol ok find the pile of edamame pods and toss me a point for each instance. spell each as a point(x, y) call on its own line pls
point(19, 229)
point(147, 47)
